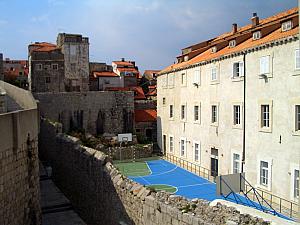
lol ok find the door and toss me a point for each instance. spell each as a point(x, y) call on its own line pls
point(214, 162)
point(164, 144)
point(214, 167)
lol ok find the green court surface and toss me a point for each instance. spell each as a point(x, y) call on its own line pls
point(163, 187)
point(137, 168)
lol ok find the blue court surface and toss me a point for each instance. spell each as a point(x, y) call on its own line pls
point(187, 184)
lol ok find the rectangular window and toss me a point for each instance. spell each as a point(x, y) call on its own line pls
point(196, 113)
point(214, 114)
point(171, 80)
point(264, 173)
point(296, 183)
point(264, 64)
point(238, 69)
point(265, 116)
point(164, 101)
point(183, 112)
point(171, 144)
point(236, 114)
point(182, 147)
point(197, 77)
point(171, 111)
point(297, 59)
point(286, 25)
point(197, 151)
point(48, 80)
point(213, 73)
point(55, 66)
point(232, 43)
point(236, 163)
point(256, 35)
point(38, 66)
point(297, 117)
point(183, 79)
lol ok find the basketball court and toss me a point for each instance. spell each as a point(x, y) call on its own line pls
point(178, 181)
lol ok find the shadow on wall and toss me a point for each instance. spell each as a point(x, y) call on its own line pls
point(160, 142)
point(82, 177)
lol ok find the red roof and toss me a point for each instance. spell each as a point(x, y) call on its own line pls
point(150, 72)
point(43, 47)
point(145, 115)
point(131, 70)
point(206, 53)
point(123, 63)
point(105, 74)
point(138, 91)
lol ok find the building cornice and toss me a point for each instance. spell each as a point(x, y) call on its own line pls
point(270, 44)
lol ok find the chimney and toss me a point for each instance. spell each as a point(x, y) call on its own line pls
point(234, 28)
point(122, 59)
point(255, 20)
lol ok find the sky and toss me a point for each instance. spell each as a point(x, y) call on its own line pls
point(150, 32)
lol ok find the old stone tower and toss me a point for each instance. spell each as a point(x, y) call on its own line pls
point(76, 55)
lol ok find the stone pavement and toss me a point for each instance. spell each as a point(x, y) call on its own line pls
point(56, 208)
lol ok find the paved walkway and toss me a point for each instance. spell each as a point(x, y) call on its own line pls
point(56, 208)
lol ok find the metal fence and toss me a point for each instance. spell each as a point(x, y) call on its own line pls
point(281, 205)
point(192, 167)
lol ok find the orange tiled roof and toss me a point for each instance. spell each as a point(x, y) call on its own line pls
point(145, 115)
point(150, 72)
point(105, 74)
point(249, 43)
point(123, 63)
point(44, 47)
point(131, 70)
point(138, 91)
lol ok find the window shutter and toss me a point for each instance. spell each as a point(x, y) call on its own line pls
point(197, 76)
point(267, 64)
point(241, 69)
point(261, 66)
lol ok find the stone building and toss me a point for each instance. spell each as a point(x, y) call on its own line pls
point(16, 72)
point(46, 68)
point(231, 104)
point(102, 76)
point(128, 70)
point(1, 67)
point(75, 49)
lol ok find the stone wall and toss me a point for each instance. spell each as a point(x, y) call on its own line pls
point(95, 112)
point(19, 169)
point(102, 195)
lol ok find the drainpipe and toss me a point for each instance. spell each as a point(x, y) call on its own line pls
point(244, 115)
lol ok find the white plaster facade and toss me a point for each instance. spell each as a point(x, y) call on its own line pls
point(278, 145)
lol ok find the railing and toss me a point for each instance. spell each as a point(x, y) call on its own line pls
point(281, 205)
point(192, 167)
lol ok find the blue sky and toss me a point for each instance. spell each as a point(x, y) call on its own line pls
point(151, 32)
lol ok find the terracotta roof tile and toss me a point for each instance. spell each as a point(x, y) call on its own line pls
point(249, 43)
point(105, 74)
point(123, 63)
point(145, 115)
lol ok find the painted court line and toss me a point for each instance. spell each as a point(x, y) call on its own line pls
point(158, 174)
point(193, 185)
